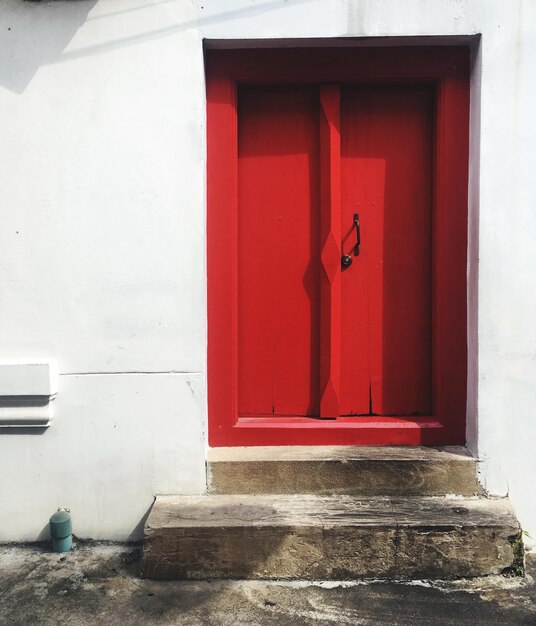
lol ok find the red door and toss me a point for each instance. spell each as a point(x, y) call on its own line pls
point(314, 337)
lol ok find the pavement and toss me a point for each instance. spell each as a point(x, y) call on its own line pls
point(99, 583)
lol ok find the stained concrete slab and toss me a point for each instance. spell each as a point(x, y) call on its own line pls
point(352, 470)
point(331, 537)
point(100, 584)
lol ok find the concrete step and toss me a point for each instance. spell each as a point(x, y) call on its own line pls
point(329, 537)
point(352, 470)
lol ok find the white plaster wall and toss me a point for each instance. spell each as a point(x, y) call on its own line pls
point(103, 222)
point(102, 257)
point(117, 440)
point(102, 239)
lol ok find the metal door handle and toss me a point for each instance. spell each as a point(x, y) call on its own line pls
point(346, 259)
point(357, 234)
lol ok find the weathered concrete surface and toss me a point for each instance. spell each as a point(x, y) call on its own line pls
point(100, 584)
point(331, 537)
point(353, 470)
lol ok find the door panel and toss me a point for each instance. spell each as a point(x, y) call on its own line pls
point(385, 313)
point(278, 251)
point(386, 151)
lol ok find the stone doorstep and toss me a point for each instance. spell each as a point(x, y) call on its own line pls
point(351, 470)
point(328, 537)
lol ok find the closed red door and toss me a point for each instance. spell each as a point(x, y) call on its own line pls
point(377, 352)
point(332, 306)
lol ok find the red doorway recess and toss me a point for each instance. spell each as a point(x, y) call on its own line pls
point(312, 338)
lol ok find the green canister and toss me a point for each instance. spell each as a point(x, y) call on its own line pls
point(61, 531)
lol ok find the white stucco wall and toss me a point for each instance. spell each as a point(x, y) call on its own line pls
point(102, 254)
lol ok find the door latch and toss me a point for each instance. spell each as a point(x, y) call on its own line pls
point(346, 259)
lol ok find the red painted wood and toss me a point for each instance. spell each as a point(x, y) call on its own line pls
point(330, 208)
point(371, 431)
point(387, 176)
point(447, 69)
point(357, 167)
point(278, 251)
point(222, 237)
point(339, 65)
point(450, 255)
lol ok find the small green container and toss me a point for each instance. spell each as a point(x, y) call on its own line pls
point(61, 531)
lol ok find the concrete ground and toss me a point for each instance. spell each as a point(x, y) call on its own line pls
point(99, 583)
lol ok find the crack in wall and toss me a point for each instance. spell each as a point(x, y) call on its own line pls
point(126, 372)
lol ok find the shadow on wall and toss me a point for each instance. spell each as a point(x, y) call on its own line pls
point(137, 532)
point(34, 33)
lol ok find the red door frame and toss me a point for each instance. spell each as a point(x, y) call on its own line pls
point(447, 68)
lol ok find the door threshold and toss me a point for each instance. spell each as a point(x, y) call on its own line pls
point(354, 431)
point(339, 453)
